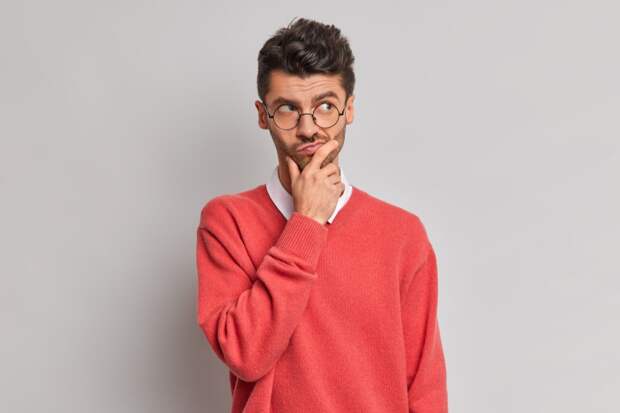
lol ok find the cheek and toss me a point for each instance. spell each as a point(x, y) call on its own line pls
point(281, 143)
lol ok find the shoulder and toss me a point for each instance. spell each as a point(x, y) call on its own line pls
point(398, 221)
point(228, 208)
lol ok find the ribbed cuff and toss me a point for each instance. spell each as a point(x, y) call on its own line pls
point(304, 237)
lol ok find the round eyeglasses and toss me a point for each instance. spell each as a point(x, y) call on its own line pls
point(325, 115)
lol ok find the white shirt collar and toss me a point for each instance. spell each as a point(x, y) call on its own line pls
point(284, 201)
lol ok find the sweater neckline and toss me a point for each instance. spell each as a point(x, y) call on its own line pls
point(348, 209)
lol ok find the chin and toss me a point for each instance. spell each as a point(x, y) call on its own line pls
point(303, 162)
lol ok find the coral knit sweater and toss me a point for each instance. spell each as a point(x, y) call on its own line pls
point(331, 318)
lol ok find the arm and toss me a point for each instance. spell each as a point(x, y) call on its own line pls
point(426, 370)
point(249, 316)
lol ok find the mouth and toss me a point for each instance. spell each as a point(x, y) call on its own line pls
point(309, 148)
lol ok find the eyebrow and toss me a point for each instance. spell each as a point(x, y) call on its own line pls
point(323, 95)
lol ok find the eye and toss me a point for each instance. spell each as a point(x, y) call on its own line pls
point(326, 106)
point(283, 107)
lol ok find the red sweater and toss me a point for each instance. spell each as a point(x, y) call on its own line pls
point(331, 318)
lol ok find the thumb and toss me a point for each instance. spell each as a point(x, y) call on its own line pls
point(293, 169)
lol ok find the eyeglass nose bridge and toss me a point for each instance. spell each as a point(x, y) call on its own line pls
point(307, 113)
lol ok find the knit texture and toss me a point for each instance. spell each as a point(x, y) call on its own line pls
point(331, 318)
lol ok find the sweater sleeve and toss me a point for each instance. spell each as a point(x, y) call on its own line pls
point(247, 315)
point(426, 370)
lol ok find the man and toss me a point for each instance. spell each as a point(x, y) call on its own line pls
point(318, 296)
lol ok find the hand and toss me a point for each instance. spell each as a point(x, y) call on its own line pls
point(316, 190)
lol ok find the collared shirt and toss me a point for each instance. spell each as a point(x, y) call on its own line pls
point(284, 201)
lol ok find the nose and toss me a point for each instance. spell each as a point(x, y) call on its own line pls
point(306, 126)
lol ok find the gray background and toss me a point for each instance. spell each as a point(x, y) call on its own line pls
point(495, 122)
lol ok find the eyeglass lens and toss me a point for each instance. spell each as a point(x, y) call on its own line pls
point(325, 115)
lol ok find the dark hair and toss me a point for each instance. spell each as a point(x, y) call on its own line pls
point(306, 47)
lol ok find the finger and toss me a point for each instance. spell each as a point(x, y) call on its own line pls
point(342, 188)
point(321, 154)
point(293, 169)
point(339, 187)
point(329, 170)
point(333, 179)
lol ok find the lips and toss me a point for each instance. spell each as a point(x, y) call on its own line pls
point(307, 146)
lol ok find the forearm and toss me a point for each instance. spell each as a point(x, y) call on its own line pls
point(249, 324)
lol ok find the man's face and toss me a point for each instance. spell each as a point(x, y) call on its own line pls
point(300, 94)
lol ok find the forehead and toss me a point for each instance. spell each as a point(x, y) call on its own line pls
point(297, 89)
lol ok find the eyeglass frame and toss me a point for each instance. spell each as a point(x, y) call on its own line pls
point(300, 114)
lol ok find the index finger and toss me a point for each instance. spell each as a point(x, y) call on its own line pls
point(321, 154)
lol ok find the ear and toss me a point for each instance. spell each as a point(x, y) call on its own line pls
point(350, 113)
point(262, 115)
